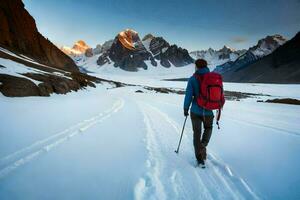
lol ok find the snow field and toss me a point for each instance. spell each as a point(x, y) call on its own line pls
point(27, 154)
point(127, 148)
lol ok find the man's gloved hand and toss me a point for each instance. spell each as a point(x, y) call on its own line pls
point(186, 112)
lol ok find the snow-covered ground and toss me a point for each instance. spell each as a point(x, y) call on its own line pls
point(117, 144)
point(107, 143)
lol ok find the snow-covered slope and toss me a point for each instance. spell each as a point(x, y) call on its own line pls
point(118, 144)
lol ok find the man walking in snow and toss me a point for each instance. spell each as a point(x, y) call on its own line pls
point(199, 115)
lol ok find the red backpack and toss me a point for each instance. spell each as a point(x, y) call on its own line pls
point(211, 94)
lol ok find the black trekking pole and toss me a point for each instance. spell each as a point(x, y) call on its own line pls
point(177, 151)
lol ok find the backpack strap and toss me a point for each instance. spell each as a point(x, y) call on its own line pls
point(199, 78)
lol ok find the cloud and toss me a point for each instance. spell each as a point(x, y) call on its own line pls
point(239, 39)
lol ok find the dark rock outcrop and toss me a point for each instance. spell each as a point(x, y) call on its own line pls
point(284, 101)
point(13, 86)
point(89, 52)
point(103, 59)
point(18, 33)
point(178, 56)
point(168, 54)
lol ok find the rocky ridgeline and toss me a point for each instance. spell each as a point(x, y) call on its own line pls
point(152, 49)
point(214, 57)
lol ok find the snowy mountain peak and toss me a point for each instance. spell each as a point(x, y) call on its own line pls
point(267, 45)
point(149, 36)
point(129, 52)
point(210, 49)
point(227, 49)
point(276, 38)
point(80, 47)
point(217, 57)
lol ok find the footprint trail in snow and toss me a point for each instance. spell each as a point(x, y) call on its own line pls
point(172, 176)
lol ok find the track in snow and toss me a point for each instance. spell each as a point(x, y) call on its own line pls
point(252, 123)
point(172, 176)
point(17, 159)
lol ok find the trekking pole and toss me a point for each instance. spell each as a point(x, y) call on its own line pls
point(177, 150)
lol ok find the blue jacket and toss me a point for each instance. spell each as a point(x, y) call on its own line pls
point(192, 91)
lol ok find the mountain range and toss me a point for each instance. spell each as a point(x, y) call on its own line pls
point(217, 57)
point(272, 60)
point(227, 61)
point(151, 50)
point(157, 50)
point(263, 48)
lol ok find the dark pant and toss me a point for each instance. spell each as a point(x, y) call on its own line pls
point(201, 143)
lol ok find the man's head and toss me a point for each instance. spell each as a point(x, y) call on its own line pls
point(200, 63)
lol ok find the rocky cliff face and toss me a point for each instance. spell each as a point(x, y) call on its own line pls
point(129, 52)
point(129, 57)
point(169, 54)
point(19, 34)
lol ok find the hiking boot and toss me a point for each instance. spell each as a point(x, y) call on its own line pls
point(200, 162)
point(202, 153)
